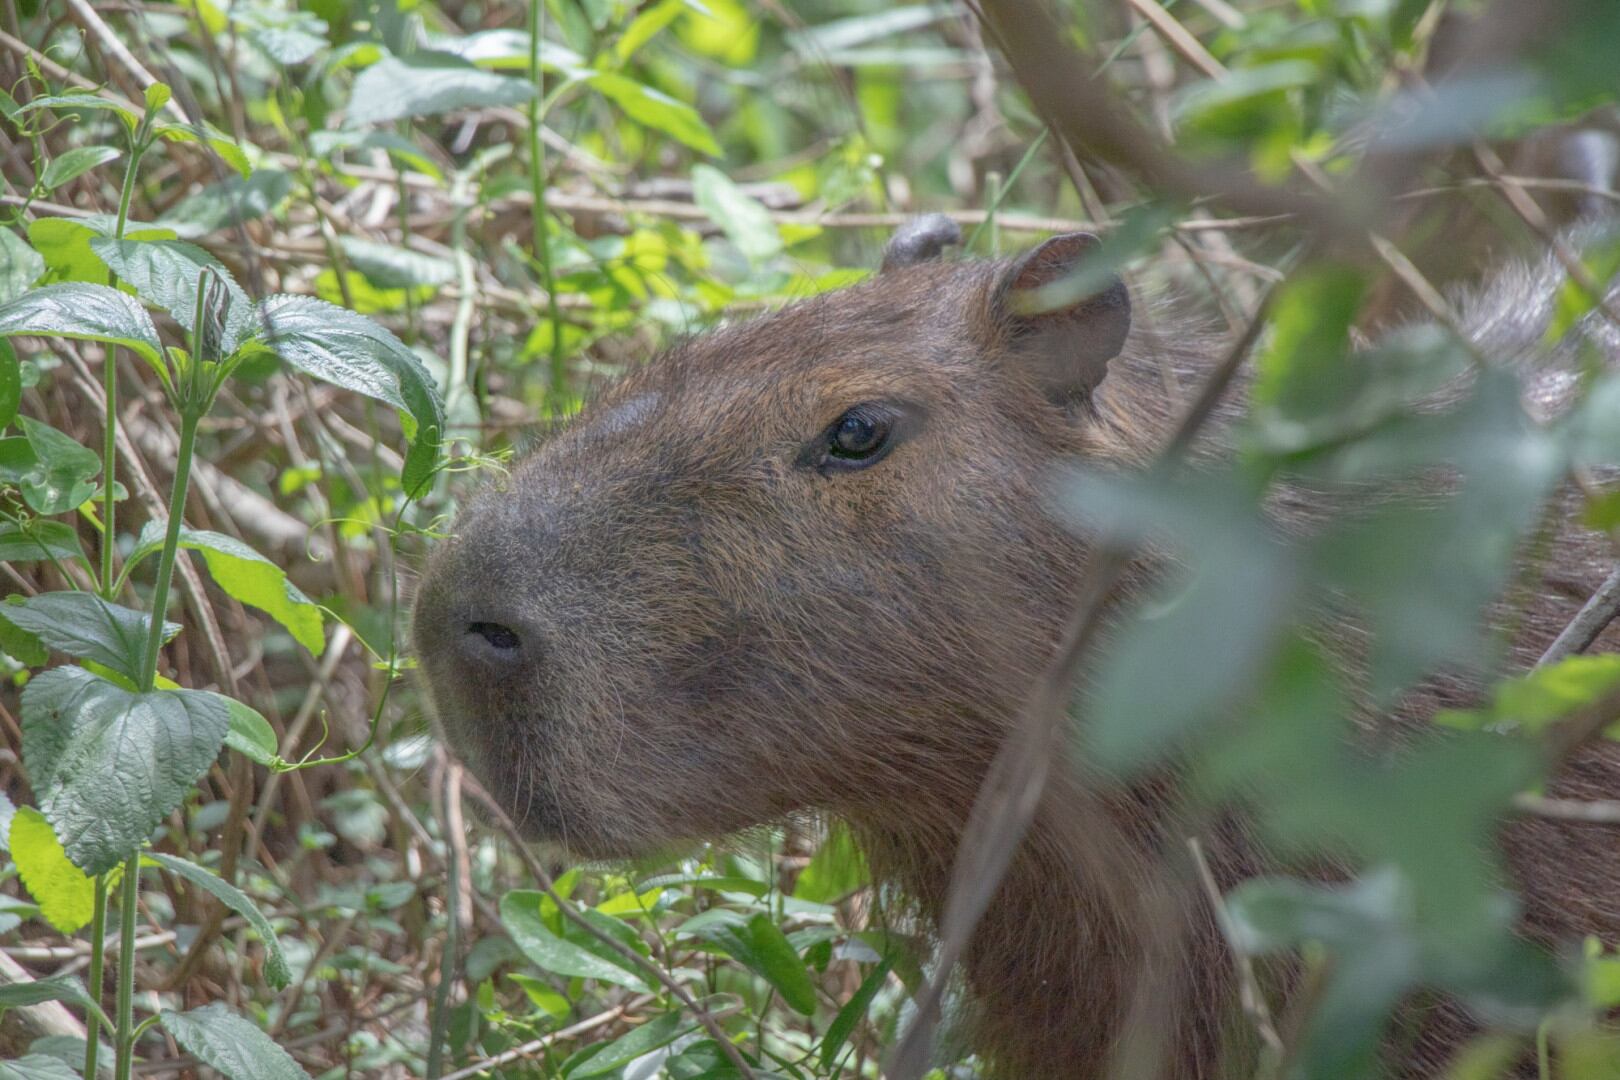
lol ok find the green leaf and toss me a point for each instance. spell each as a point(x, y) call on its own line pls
point(251, 734)
point(10, 380)
point(208, 135)
point(229, 202)
point(1534, 701)
point(84, 625)
point(247, 576)
point(390, 267)
point(20, 265)
point(520, 914)
point(744, 219)
point(649, 108)
point(58, 988)
point(84, 311)
point(276, 972)
point(854, 1010)
point(79, 99)
point(657, 1032)
point(80, 732)
point(166, 272)
point(760, 945)
point(66, 897)
point(425, 85)
point(355, 353)
point(222, 1040)
point(64, 243)
point(324, 144)
point(1602, 263)
point(37, 539)
point(37, 1067)
point(53, 471)
point(837, 869)
point(72, 164)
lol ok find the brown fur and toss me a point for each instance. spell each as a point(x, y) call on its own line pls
point(714, 635)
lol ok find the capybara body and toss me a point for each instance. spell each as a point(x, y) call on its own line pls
point(807, 564)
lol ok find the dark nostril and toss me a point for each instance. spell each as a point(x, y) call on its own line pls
point(500, 638)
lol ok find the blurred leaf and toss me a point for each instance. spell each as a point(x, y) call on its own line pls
point(638, 1041)
point(86, 312)
point(325, 144)
point(507, 49)
point(647, 24)
point(222, 1040)
point(229, 151)
point(66, 897)
point(276, 973)
point(10, 383)
point(16, 995)
point(759, 945)
point(655, 110)
point(520, 913)
point(36, 540)
point(37, 1067)
point(79, 729)
point(837, 869)
point(84, 625)
point(852, 1013)
point(20, 265)
point(72, 164)
point(229, 202)
point(390, 267)
point(247, 576)
point(425, 85)
point(1541, 697)
point(166, 273)
point(286, 36)
point(355, 353)
point(743, 218)
point(840, 34)
point(1601, 258)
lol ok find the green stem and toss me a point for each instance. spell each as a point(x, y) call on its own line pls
point(109, 381)
point(98, 950)
point(126, 966)
point(171, 545)
point(537, 188)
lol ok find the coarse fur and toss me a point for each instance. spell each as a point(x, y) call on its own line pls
point(697, 628)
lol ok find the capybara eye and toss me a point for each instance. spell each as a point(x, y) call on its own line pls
point(860, 436)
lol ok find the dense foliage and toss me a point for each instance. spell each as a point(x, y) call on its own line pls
point(282, 280)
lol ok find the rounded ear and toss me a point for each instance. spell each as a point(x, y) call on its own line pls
point(919, 240)
point(1066, 315)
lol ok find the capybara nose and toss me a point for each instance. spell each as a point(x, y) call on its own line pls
point(493, 644)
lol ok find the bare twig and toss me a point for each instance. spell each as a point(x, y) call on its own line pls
point(1596, 614)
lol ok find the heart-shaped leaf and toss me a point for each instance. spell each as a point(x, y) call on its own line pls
point(110, 763)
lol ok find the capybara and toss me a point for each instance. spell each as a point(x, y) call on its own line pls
point(807, 564)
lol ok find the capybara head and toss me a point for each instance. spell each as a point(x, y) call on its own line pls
point(801, 563)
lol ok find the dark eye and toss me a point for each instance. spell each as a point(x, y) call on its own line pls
point(861, 437)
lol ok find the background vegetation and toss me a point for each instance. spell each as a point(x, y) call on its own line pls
point(329, 261)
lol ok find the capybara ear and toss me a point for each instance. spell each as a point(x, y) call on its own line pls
point(920, 240)
point(1064, 316)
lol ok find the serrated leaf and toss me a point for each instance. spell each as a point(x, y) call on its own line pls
point(37, 540)
point(652, 109)
point(742, 217)
point(520, 914)
point(222, 1040)
point(247, 576)
point(66, 897)
point(276, 972)
point(84, 625)
point(657, 1032)
point(20, 265)
point(166, 272)
point(110, 764)
point(84, 311)
point(425, 85)
point(72, 164)
point(355, 353)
